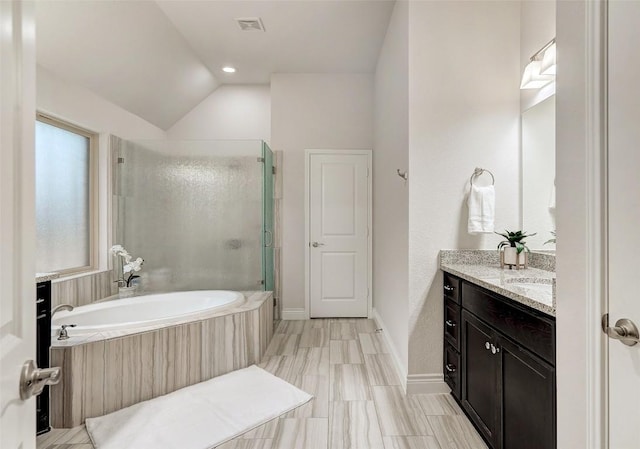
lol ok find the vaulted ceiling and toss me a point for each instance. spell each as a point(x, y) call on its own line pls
point(160, 59)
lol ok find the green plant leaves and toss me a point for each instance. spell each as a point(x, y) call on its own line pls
point(514, 239)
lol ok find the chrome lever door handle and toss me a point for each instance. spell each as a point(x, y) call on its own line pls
point(450, 323)
point(316, 244)
point(33, 379)
point(625, 330)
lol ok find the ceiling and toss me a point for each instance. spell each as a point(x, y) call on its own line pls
point(160, 59)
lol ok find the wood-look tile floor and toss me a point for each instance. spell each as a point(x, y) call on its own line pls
point(358, 402)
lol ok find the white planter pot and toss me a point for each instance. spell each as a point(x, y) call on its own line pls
point(511, 256)
point(127, 292)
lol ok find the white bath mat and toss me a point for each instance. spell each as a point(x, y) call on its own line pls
point(201, 416)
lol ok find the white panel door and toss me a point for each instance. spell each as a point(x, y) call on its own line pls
point(624, 216)
point(17, 235)
point(338, 235)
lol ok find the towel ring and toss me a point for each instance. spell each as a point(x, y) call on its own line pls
point(478, 172)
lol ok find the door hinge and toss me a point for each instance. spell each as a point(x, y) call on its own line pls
point(367, 172)
point(261, 160)
point(273, 170)
point(120, 160)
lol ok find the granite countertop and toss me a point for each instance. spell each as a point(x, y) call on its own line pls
point(43, 277)
point(517, 285)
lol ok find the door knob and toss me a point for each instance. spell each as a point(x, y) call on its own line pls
point(33, 379)
point(316, 244)
point(625, 330)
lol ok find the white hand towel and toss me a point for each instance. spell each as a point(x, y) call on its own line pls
point(482, 205)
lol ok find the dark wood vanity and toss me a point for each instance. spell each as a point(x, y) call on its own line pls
point(499, 361)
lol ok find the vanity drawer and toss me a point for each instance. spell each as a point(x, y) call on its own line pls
point(452, 323)
point(530, 329)
point(451, 369)
point(451, 287)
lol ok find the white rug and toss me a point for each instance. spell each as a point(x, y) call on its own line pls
point(200, 416)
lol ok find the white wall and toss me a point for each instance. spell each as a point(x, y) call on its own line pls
point(86, 109)
point(577, 263)
point(325, 111)
point(537, 28)
point(230, 112)
point(464, 78)
point(390, 192)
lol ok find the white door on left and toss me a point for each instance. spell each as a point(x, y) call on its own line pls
point(17, 228)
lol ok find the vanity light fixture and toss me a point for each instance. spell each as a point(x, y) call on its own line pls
point(541, 70)
point(229, 69)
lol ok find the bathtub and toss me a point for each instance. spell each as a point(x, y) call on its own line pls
point(125, 351)
point(144, 311)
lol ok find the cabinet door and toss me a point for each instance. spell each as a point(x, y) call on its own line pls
point(452, 373)
point(452, 323)
point(480, 376)
point(528, 399)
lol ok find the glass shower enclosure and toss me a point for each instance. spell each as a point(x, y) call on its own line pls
point(200, 213)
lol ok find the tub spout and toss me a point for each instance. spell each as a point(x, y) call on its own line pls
point(61, 307)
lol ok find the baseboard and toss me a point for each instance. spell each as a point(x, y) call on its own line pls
point(426, 384)
point(397, 363)
point(294, 314)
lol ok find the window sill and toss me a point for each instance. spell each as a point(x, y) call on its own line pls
point(69, 277)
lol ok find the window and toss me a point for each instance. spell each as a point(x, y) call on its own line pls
point(65, 203)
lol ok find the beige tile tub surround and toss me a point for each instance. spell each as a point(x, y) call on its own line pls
point(83, 289)
point(100, 377)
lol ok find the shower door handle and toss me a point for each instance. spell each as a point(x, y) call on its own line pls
point(270, 234)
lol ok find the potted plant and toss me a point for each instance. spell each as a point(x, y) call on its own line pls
point(513, 250)
point(127, 268)
point(553, 240)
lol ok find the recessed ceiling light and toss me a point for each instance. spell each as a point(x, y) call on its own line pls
point(229, 69)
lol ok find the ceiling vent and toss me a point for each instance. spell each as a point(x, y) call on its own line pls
point(250, 24)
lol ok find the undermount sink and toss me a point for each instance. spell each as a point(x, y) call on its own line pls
point(538, 284)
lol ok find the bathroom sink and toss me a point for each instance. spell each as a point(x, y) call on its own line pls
point(537, 284)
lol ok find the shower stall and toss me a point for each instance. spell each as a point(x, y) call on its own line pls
point(200, 213)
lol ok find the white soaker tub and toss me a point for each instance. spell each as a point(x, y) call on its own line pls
point(145, 311)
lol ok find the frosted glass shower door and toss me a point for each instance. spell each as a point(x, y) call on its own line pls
point(194, 211)
point(267, 257)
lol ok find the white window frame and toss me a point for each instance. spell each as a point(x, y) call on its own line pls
point(93, 191)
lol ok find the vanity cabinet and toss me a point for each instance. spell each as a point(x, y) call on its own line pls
point(505, 369)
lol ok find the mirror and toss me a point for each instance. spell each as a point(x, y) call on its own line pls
point(539, 173)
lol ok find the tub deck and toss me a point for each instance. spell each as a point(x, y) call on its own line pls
point(105, 372)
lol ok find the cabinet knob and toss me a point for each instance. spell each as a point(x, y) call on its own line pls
point(449, 288)
point(494, 349)
point(450, 323)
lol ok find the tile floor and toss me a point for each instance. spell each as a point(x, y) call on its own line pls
point(358, 402)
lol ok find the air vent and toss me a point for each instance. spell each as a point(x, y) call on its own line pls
point(250, 24)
